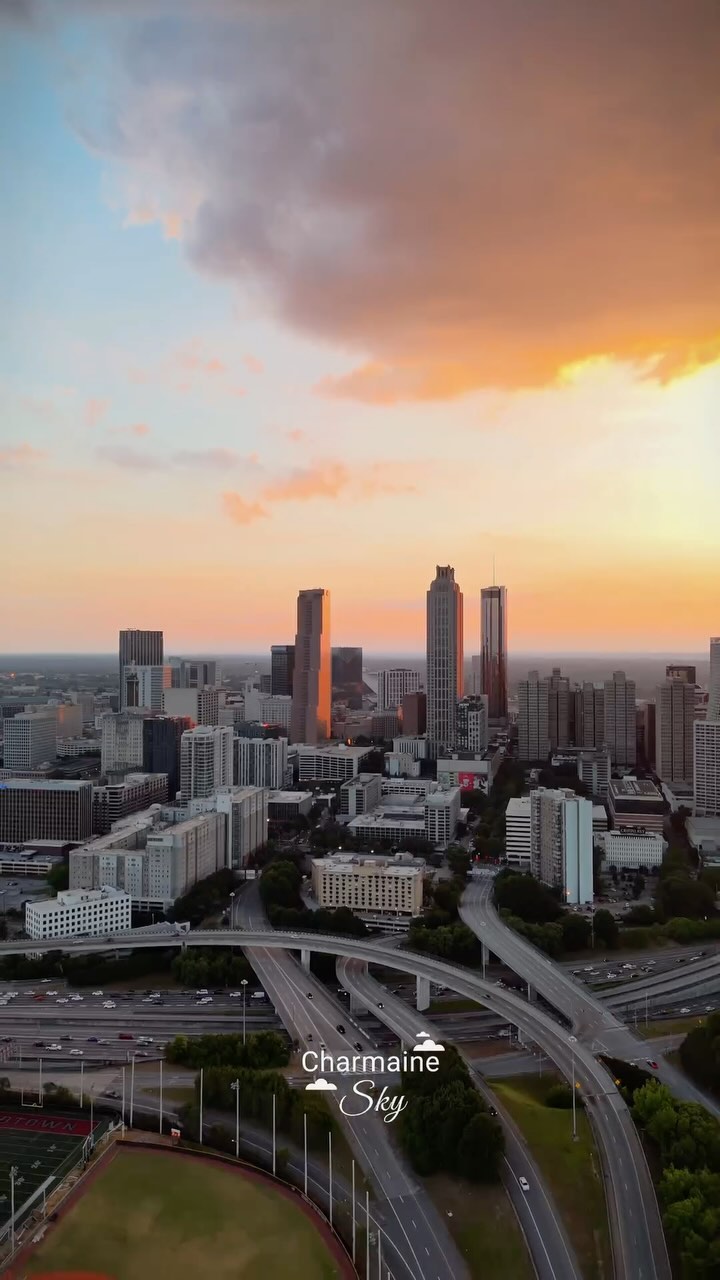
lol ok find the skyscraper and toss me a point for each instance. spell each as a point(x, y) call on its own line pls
point(558, 710)
point(393, 684)
point(621, 719)
point(444, 658)
point(593, 715)
point(561, 839)
point(706, 783)
point(161, 747)
point(282, 666)
point(144, 648)
point(472, 724)
point(493, 649)
point(30, 738)
point(347, 676)
point(683, 671)
point(674, 716)
point(533, 716)
point(144, 686)
point(713, 709)
point(312, 678)
point(206, 761)
point(414, 714)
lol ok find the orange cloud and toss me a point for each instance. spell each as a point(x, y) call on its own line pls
point(253, 364)
point(20, 455)
point(324, 481)
point(240, 511)
point(296, 435)
point(95, 410)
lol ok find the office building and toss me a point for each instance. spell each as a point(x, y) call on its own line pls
point(472, 724)
point(347, 676)
point(261, 762)
point(633, 850)
point(413, 713)
point(647, 732)
point(385, 726)
point(202, 706)
point(330, 764)
point(380, 886)
point(636, 804)
point(35, 809)
point(594, 771)
point(194, 673)
point(141, 648)
point(117, 800)
point(144, 687)
point(444, 659)
point(282, 666)
point(442, 814)
point(493, 650)
point(558, 710)
point(469, 771)
point(121, 744)
point(518, 844)
point(398, 764)
point(267, 709)
point(685, 672)
point(29, 738)
point(246, 814)
point(393, 684)
point(360, 794)
point(311, 698)
point(68, 720)
point(162, 736)
point(561, 835)
point(706, 781)
point(206, 761)
point(674, 718)
point(621, 720)
point(410, 809)
point(533, 718)
point(155, 856)
point(476, 678)
point(66, 747)
point(713, 706)
point(289, 806)
point(413, 746)
point(79, 913)
point(86, 702)
point(593, 715)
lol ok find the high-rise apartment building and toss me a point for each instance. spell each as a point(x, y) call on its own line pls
point(261, 762)
point(144, 686)
point(347, 676)
point(713, 707)
point(444, 659)
point(311, 699)
point(121, 746)
point(118, 800)
point(674, 718)
point(533, 717)
point(206, 761)
point(593, 715)
point(493, 649)
point(558, 710)
point(34, 809)
point(561, 838)
point(683, 671)
point(706, 784)
point(392, 685)
point(30, 738)
point(282, 666)
point(472, 724)
point(621, 720)
point(142, 648)
point(414, 714)
point(161, 747)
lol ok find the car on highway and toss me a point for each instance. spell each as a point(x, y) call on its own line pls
point(76, 1053)
point(686, 1009)
point(340, 1028)
point(652, 1064)
point(93, 1040)
point(38, 1044)
point(40, 996)
point(108, 1004)
point(62, 1000)
point(524, 1184)
point(310, 995)
point(66, 1037)
point(56, 1048)
point(52, 993)
point(309, 1037)
point(97, 993)
point(125, 1035)
point(380, 1004)
point(357, 1045)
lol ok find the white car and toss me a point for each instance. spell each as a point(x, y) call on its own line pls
point(686, 1009)
point(62, 1000)
point(97, 993)
point(524, 1184)
point(76, 1053)
point(55, 1047)
point(52, 993)
point(108, 1004)
point(76, 997)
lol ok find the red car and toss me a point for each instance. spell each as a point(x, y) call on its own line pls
point(654, 1065)
point(124, 1035)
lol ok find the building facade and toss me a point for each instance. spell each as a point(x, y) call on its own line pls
point(393, 683)
point(636, 804)
point(621, 720)
point(360, 794)
point(593, 715)
point(206, 761)
point(312, 677)
point(444, 659)
point(561, 834)
point(473, 732)
point(594, 769)
point(706, 780)
point(117, 800)
point(32, 809)
point(413, 713)
point(633, 850)
point(141, 648)
point(493, 650)
point(282, 666)
point(121, 744)
point(347, 676)
point(162, 736)
point(29, 738)
point(382, 886)
point(558, 710)
point(79, 913)
point(261, 762)
point(533, 718)
point(202, 706)
point(674, 720)
point(713, 706)
point(518, 843)
point(330, 764)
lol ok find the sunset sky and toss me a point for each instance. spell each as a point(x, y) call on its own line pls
point(300, 293)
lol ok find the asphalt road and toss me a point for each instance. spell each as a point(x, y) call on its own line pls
point(541, 1223)
point(417, 1236)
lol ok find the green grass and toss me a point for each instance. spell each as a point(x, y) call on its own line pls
point(484, 1228)
point(571, 1169)
point(54, 1154)
point(175, 1093)
point(667, 1027)
point(149, 1215)
point(455, 1006)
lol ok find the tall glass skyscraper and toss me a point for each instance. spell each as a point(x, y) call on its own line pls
point(493, 650)
point(310, 718)
point(444, 659)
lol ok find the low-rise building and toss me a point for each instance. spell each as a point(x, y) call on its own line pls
point(386, 886)
point(400, 765)
point(430, 815)
point(330, 763)
point(633, 850)
point(415, 745)
point(39, 809)
point(79, 913)
point(636, 803)
point(288, 806)
point(468, 771)
point(117, 800)
point(360, 794)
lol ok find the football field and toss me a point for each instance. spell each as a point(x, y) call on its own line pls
point(42, 1148)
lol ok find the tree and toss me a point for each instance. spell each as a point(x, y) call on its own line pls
point(679, 895)
point(638, 885)
point(58, 877)
point(526, 897)
point(700, 1053)
point(576, 932)
point(606, 928)
point(480, 1149)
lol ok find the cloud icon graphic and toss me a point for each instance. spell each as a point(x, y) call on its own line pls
point(321, 1086)
point(423, 1035)
point(429, 1046)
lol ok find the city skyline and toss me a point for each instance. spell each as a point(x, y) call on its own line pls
point(226, 365)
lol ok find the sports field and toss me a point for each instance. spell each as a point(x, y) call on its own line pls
point(150, 1214)
point(42, 1147)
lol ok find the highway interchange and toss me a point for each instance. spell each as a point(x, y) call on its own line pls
point(639, 1248)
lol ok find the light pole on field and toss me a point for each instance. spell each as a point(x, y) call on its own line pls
point(235, 1086)
point(243, 984)
point(573, 1041)
point(13, 1174)
point(232, 910)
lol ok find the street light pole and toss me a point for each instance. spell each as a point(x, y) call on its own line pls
point(367, 1234)
point(232, 910)
point(161, 1095)
point(82, 1078)
point(235, 1086)
point(13, 1172)
point(273, 1137)
point(573, 1041)
point(132, 1089)
point(202, 1078)
point(243, 984)
point(123, 1099)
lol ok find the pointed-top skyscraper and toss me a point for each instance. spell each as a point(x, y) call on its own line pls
point(493, 650)
point(444, 659)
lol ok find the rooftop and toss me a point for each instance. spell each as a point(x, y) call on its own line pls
point(634, 789)
point(42, 784)
point(75, 898)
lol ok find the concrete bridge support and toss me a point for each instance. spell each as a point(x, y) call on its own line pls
point(422, 997)
point(305, 954)
point(531, 993)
